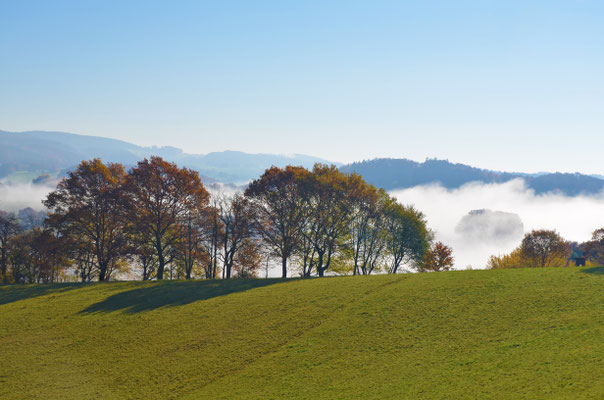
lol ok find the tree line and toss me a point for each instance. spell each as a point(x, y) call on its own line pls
point(158, 221)
point(546, 248)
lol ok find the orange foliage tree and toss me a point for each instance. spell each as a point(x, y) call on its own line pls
point(438, 258)
point(162, 198)
point(88, 208)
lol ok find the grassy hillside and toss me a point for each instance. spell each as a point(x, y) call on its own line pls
point(535, 333)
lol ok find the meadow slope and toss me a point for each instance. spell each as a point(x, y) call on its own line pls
point(530, 333)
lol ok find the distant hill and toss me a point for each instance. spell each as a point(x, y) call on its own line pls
point(391, 173)
point(25, 155)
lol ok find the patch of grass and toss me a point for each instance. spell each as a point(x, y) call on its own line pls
point(23, 176)
point(532, 333)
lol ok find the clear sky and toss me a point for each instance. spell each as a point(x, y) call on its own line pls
point(509, 85)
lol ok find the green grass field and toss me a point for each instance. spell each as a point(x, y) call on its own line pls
point(534, 333)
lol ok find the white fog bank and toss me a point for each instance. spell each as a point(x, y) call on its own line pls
point(14, 197)
point(573, 217)
point(447, 213)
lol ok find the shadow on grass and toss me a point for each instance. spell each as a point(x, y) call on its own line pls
point(12, 293)
point(594, 270)
point(169, 294)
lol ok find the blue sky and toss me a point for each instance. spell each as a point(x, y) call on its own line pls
point(509, 85)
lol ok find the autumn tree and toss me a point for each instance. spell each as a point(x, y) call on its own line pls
point(598, 235)
point(38, 257)
point(538, 249)
point(594, 249)
point(407, 236)
point(329, 196)
point(162, 196)
point(248, 259)
point(189, 248)
point(9, 227)
point(515, 259)
point(83, 258)
point(144, 254)
point(235, 217)
point(304, 256)
point(88, 207)
point(544, 247)
point(213, 229)
point(367, 233)
point(278, 210)
point(438, 258)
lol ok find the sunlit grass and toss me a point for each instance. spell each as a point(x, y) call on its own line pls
point(534, 333)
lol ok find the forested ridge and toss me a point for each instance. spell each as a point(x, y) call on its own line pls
point(397, 173)
point(21, 154)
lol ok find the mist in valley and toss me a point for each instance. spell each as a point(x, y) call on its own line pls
point(17, 196)
point(476, 220)
point(496, 232)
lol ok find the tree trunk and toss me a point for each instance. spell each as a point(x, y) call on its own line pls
point(102, 271)
point(320, 266)
point(161, 266)
point(284, 267)
point(3, 266)
point(215, 261)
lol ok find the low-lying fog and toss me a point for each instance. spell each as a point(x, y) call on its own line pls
point(475, 237)
point(14, 197)
point(510, 210)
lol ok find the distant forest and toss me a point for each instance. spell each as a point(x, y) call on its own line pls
point(391, 173)
point(32, 154)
